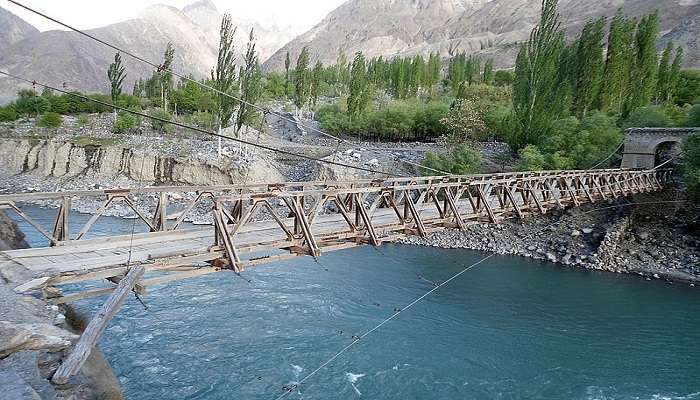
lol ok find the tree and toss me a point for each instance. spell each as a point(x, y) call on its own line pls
point(316, 81)
point(588, 72)
point(302, 84)
point(224, 75)
point(691, 148)
point(359, 88)
point(646, 62)
point(287, 65)
point(465, 121)
point(487, 76)
point(534, 91)
point(618, 64)
point(116, 74)
point(433, 72)
point(251, 86)
point(50, 120)
point(674, 77)
point(165, 76)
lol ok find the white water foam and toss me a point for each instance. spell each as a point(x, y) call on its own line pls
point(353, 378)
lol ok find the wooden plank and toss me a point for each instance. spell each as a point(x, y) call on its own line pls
point(96, 327)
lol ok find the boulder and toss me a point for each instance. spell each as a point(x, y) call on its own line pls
point(17, 337)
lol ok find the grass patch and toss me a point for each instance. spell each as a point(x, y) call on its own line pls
point(84, 141)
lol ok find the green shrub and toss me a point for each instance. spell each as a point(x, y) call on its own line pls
point(203, 119)
point(462, 160)
point(531, 159)
point(427, 122)
point(574, 144)
point(693, 118)
point(395, 122)
point(648, 117)
point(125, 122)
point(50, 120)
point(503, 78)
point(8, 114)
point(499, 120)
point(83, 120)
point(691, 147)
point(158, 125)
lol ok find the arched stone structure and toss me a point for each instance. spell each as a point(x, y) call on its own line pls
point(641, 144)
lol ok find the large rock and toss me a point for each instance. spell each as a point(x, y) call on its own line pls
point(18, 337)
point(11, 237)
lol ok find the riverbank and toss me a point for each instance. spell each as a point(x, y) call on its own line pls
point(650, 235)
point(33, 338)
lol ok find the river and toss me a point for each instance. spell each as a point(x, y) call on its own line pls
point(510, 328)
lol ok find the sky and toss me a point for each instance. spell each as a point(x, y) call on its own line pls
point(299, 15)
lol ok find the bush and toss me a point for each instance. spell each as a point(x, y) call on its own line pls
point(392, 123)
point(50, 120)
point(691, 147)
point(574, 144)
point(334, 120)
point(125, 122)
point(161, 126)
point(503, 78)
point(693, 118)
point(203, 119)
point(83, 120)
point(465, 121)
point(499, 120)
point(462, 160)
point(648, 117)
point(531, 159)
point(427, 123)
point(8, 114)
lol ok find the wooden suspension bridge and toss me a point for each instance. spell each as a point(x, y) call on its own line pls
point(264, 223)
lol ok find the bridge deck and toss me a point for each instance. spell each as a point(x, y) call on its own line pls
point(319, 217)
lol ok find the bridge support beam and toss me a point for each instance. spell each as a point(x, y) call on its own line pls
point(96, 327)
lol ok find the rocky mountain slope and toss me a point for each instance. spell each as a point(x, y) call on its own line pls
point(59, 57)
point(488, 27)
point(13, 29)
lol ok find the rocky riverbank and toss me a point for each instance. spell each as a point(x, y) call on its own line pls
point(33, 338)
point(656, 240)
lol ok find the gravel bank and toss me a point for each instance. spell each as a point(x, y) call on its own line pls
point(655, 241)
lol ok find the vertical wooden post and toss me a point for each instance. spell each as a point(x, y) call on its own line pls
point(61, 232)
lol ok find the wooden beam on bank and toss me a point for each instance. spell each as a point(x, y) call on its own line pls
point(76, 359)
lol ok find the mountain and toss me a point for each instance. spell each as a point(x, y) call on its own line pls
point(70, 59)
point(13, 29)
point(491, 28)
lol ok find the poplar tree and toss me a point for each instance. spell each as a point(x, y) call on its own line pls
point(589, 67)
point(165, 76)
point(663, 75)
point(302, 84)
point(316, 80)
point(433, 72)
point(535, 90)
point(646, 62)
point(487, 76)
point(359, 88)
point(287, 65)
point(223, 76)
point(618, 64)
point(250, 83)
point(116, 73)
point(675, 74)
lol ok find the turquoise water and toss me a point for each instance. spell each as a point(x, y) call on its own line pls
point(510, 328)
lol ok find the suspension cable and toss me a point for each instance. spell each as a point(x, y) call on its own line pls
point(160, 67)
point(356, 339)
